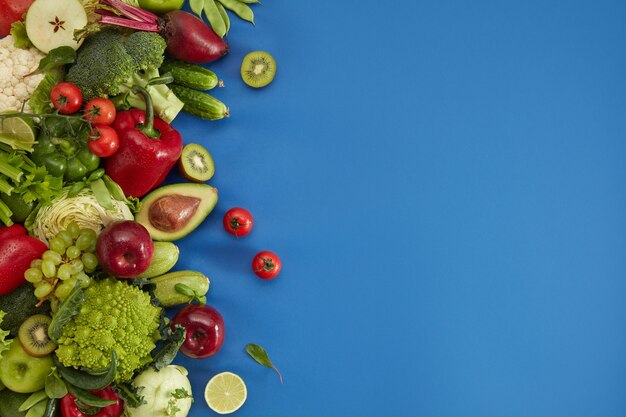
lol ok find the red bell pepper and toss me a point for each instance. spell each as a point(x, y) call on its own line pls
point(17, 251)
point(149, 148)
point(12, 11)
point(69, 408)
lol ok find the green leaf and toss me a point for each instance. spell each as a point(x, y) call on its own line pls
point(56, 58)
point(260, 355)
point(55, 387)
point(196, 6)
point(20, 38)
point(40, 99)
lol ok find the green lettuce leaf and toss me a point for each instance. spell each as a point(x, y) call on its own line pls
point(20, 38)
point(40, 99)
point(4, 343)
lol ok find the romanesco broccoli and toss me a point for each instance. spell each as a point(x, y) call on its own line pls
point(110, 63)
point(115, 316)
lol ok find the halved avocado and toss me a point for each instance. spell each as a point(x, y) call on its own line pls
point(173, 211)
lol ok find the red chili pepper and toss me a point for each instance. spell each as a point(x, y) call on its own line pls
point(149, 148)
point(17, 251)
point(69, 407)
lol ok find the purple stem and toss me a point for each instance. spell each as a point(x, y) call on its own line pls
point(128, 23)
point(131, 12)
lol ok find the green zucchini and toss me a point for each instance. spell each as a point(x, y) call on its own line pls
point(164, 258)
point(165, 287)
point(200, 104)
point(190, 75)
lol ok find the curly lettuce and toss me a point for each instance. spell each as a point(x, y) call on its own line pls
point(4, 343)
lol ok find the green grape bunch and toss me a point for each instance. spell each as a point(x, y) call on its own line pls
point(68, 261)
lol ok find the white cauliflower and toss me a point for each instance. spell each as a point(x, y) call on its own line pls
point(14, 64)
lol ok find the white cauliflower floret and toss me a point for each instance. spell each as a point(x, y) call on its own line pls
point(14, 64)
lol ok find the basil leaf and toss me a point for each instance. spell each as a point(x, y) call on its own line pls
point(55, 387)
point(260, 355)
point(57, 57)
point(185, 290)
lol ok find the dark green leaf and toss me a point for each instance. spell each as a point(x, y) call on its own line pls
point(165, 354)
point(57, 57)
point(55, 387)
point(260, 355)
point(131, 395)
point(88, 398)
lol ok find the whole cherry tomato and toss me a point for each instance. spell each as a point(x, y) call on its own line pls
point(104, 141)
point(66, 98)
point(266, 265)
point(204, 327)
point(100, 110)
point(238, 221)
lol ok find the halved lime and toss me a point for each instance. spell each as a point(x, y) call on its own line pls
point(225, 393)
point(17, 132)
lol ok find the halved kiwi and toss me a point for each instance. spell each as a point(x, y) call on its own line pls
point(33, 336)
point(196, 163)
point(258, 69)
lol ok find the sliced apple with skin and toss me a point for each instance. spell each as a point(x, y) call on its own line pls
point(51, 23)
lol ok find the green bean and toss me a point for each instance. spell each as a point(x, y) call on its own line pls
point(225, 17)
point(214, 17)
point(250, 1)
point(196, 7)
point(241, 9)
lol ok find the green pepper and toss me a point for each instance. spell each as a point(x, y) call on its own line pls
point(66, 157)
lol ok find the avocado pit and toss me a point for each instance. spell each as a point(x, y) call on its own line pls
point(172, 212)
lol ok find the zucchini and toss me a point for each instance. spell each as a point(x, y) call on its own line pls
point(164, 258)
point(200, 104)
point(190, 75)
point(165, 287)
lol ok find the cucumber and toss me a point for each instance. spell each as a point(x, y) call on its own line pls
point(166, 292)
point(164, 258)
point(190, 75)
point(200, 104)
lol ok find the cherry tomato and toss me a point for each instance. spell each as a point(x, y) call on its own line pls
point(100, 110)
point(104, 141)
point(66, 98)
point(266, 265)
point(204, 327)
point(238, 221)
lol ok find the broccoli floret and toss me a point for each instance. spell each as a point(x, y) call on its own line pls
point(115, 316)
point(110, 63)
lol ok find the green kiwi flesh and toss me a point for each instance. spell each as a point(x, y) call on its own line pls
point(258, 69)
point(33, 336)
point(196, 163)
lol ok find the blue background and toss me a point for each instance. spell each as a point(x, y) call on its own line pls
point(444, 182)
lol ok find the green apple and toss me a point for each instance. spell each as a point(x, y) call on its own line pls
point(21, 372)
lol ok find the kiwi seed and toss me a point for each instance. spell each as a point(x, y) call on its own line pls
point(33, 336)
point(258, 69)
point(196, 163)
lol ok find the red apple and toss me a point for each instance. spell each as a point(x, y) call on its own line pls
point(205, 330)
point(124, 249)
